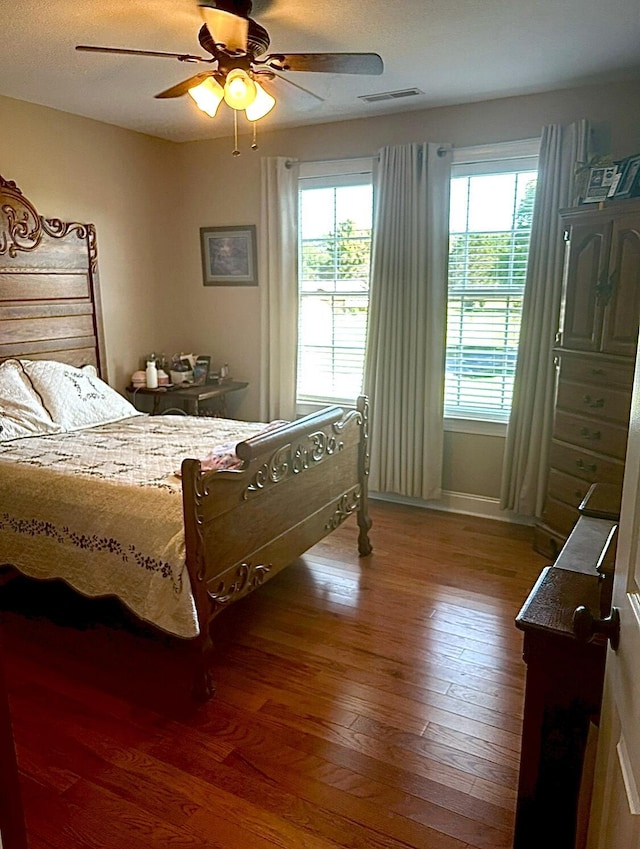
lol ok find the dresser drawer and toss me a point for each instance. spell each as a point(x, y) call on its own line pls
point(567, 488)
point(603, 402)
point(583, 369)
point(547, 542)
point(603, 437)
point(589, 466)
point(560, 517)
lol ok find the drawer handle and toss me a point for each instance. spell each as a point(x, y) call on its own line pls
point(590, 434)
point(594, 403)
point(586, 467)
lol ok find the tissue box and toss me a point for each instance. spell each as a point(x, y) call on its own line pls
point(179, 377)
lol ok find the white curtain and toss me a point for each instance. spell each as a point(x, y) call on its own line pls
point(404, 365)
point(526, 459)
point(279, 287)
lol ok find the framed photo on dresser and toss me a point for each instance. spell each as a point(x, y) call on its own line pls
point(629, 184)
point(600, 182)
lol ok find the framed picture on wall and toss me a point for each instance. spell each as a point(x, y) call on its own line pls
point(229, 256)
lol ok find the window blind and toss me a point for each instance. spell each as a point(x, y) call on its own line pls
point(334, 257)
point(490, 231)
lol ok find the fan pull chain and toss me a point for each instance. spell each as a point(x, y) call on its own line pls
point(236, 152)
point(254, 143)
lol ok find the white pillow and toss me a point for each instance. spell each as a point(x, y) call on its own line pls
point(75, 397)
point(21, 410)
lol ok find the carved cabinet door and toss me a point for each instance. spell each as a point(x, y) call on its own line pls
point(620, 330)
point(586, 274)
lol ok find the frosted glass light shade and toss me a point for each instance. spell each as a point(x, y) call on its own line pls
point(239, 89)
point(261, 106)
point(208, 96)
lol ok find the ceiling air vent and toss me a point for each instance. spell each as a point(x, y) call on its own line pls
point(390, 95)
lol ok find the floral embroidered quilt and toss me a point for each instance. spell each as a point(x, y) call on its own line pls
point(101, 508)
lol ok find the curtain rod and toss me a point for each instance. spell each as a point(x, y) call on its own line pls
point(442, 151)
point(291, 162)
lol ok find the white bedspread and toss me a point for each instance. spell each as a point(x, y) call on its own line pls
point(101, 508)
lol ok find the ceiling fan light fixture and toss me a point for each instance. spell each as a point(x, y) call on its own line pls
point(208, 96)
point(261, 106)
point(233, 42)
point(239, 89)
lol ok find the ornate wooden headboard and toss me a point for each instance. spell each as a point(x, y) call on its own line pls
point(49, 291)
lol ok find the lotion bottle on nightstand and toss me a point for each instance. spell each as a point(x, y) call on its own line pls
point(152, 375)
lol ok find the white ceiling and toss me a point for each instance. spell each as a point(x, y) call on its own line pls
point(454, 51)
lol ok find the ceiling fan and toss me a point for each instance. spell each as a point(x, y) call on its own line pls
point(237, 46)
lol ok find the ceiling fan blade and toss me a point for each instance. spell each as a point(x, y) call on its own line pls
point(228, 30)
point(291, 83)
point(326, 63)
point(183, 57)
point(183, 87)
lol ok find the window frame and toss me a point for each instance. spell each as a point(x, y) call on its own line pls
point(500, 157)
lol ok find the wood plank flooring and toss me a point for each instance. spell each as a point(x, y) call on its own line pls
point(369, 704)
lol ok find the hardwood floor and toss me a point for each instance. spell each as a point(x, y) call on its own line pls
point(369, 704)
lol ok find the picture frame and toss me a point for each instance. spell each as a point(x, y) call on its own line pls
point(629, 183)
point(600, 181)
point(201, 370)
point(229, 256)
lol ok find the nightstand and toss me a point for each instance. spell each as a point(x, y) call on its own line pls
point(194, 400)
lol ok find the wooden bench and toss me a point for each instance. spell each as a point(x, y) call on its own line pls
point(565, 624)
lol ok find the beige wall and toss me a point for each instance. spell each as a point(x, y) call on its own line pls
point(125, 183)
point(148, 199)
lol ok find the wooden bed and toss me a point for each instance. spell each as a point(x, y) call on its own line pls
point(296, 484)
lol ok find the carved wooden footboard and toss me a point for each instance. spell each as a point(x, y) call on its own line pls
point(297, 484)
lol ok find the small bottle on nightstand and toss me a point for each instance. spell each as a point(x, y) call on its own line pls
point(152, 375)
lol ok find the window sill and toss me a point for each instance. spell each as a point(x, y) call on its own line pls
point(305, 408)
point(480, 427)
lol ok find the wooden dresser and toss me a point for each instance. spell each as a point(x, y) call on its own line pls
point(595, 357)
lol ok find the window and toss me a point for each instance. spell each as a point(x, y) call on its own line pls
point(334, 243)
point(490, 229)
